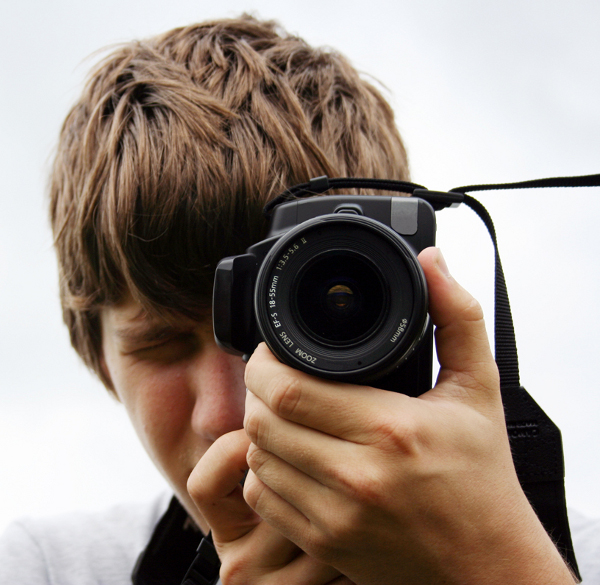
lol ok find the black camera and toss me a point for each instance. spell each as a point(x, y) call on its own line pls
point(335, 290)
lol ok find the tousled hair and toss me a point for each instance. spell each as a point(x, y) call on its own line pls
point(164, 164)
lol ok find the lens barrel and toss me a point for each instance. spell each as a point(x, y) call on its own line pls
point(341, 296)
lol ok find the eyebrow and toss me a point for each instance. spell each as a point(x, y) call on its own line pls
point(150, 332)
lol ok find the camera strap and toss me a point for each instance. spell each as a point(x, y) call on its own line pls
point(204, 570)
point(535, 440)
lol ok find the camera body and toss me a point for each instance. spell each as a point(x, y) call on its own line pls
point(335, 290)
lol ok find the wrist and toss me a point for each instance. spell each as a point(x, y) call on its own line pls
point(520, 553)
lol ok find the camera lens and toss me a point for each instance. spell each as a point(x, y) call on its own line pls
point(339, 298)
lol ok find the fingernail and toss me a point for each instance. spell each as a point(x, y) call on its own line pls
point(441, 262)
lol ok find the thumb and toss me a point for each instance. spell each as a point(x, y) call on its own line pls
point(467, 366)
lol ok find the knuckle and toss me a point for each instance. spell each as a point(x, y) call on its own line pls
point(321, 546)
point(251, 371)
point(398, 435)
point(337, 535)
point(195, 488)
point(342, 531)
point(253, 426)
point(235, 570)
point(228, 572)
point(256, 458)
point(253, 491)
point(366, 487)
point(472, 311)
point(285, 394)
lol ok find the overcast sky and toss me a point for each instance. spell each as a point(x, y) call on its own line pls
point(483, 91)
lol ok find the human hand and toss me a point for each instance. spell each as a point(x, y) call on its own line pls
point(392, 489)
point(251, 551)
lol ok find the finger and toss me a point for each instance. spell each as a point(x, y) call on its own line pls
point(302, 490)
point(214, 486)
point(306, 569)
point(462, 343)
point(347, 411)
point(304, 447)
point(309, 535)
point(266, 548)
point(300, 570)
point(312, 453)
point(276, 512)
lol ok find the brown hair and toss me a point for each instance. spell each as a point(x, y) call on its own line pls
point(164, 164)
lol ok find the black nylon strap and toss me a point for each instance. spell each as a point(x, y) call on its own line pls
point(320, 185)
point(578, 181)
point(206, 567)
point(204, 570)
point(170, 550)
point(504, 333)
point(535, 441)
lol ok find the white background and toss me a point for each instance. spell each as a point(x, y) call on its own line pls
point(483, 91)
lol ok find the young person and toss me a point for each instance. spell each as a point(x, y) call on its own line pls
point(163, 168)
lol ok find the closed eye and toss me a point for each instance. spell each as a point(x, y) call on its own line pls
point(172, 348)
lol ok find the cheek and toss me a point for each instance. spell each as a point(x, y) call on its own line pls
point(160, 406)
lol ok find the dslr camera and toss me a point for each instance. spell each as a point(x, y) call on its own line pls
point(335, 290)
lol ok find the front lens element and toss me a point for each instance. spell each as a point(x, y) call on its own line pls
point(339, 298)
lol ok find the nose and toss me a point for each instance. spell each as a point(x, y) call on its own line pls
point(219, 392)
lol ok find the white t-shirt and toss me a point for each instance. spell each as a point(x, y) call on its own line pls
point(102, 548)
